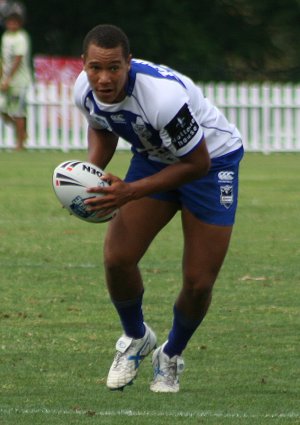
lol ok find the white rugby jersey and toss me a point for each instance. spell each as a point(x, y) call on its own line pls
point(163, 116)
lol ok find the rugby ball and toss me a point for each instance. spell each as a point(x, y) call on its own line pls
point(70, 181)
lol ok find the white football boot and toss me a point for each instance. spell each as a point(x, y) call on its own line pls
point(129, 355)
point(166, 372)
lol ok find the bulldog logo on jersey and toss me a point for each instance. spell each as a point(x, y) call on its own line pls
point(182, 128)
point(226, 195)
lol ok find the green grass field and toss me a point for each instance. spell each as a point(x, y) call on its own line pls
point(58, 327)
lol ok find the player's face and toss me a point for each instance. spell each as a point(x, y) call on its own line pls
point(107, 72)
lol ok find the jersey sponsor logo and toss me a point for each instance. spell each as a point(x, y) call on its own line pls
point(226, 176)
point(118, 118)
point(182, 128)
point(226, 195)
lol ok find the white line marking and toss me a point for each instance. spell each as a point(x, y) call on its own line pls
point(149, 413)
point(51, 266)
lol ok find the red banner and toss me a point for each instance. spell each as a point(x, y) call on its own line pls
point(48, 69)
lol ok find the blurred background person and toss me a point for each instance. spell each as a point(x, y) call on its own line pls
point(16, 73)
point(8, 6)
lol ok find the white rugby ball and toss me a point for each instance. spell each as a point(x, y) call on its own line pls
point(71, 179)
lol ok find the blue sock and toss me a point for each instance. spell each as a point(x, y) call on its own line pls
point(131, 316)
point(180, 334)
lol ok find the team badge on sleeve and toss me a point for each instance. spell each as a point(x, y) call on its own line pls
point(182, 128)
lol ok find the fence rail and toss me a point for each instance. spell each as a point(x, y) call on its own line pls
point(268, 116)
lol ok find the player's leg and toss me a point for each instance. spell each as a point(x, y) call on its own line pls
point(212, 199)
point(205, 247)
point(128, 237)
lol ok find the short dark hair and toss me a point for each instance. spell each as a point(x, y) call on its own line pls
point(14, 16)
point(108, 37)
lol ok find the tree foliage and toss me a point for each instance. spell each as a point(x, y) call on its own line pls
point(207, 39)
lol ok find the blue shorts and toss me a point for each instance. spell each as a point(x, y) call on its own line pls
point(212, 198)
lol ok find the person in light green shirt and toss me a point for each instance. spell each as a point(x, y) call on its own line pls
point(16, 75)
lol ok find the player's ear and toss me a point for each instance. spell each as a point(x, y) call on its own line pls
point(129, 61)
point(83, 62)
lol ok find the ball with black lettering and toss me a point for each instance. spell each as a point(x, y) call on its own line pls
point(71, 179)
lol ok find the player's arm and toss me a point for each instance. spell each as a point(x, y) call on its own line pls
point(194, 165)
point(101, 146)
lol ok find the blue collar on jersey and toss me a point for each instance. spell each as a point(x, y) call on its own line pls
point(148, 68)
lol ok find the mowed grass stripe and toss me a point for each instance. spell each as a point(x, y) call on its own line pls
point(145, 413)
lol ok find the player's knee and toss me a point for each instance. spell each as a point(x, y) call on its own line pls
point(117, 261)
point(199, 282)
point(197, 295)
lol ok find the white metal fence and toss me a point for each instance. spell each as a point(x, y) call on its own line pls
point(268, 116)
